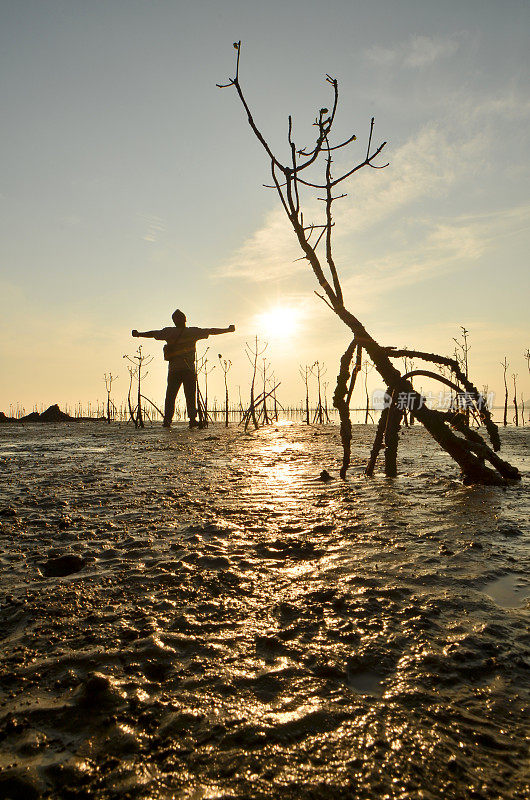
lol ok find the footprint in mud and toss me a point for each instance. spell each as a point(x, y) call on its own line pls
point(63, 565)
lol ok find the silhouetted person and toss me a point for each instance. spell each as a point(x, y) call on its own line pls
point(180, 352)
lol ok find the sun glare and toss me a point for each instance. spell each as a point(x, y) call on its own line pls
point(280, 322)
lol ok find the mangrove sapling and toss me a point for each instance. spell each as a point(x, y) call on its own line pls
point(253, 353)
point(304, 374)
point(139, 362)
point(201, 367)
point(290, 184)
point(526, 355)
point(268, 414)
point(367, 367)
point(111, 408)
point(132, 375)
point(206, 372)
point(505, 365)
point(264, 375)
point(225, 367)
point(257, 409)
point(326, 413)
point(515, 407)
point(318, 371)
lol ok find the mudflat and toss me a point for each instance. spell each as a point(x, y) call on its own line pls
point(194, 614)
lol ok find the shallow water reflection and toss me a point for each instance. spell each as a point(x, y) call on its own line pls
point(509, 591)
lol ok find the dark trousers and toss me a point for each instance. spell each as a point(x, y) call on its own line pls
point(175, 379)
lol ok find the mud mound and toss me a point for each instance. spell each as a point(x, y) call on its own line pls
point(52, 414)
point(33, 417)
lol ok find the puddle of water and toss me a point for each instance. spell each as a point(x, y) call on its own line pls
point(508, 591)
point(365, 682)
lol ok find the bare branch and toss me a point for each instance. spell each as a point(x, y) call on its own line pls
point(329, 225)
point(352, 138)
point(325, 300)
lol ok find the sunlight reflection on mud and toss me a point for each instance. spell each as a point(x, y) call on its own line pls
point(238, 628)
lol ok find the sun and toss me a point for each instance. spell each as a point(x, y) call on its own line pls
point(280, 322)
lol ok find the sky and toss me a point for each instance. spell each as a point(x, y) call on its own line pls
point(131, 185)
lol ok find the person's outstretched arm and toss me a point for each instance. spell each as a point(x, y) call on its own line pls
point(215, 331)
point(148, 334)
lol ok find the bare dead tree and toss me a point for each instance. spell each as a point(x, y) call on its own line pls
point(505, 365)
point(111, 408)
point(201, 368)
point(253, 353)
point(139, 362)
point(526, 356)
point(225, 367)
point(367, 367)
point(206, 372)
point(326, 411)
point(264, 375)
point(293, 184)
point(132, 375)
point(257, 405)
point(318, 370)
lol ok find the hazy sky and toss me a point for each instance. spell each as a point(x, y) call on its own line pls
point(131, 185)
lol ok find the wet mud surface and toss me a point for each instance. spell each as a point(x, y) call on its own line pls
point(193, 614)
